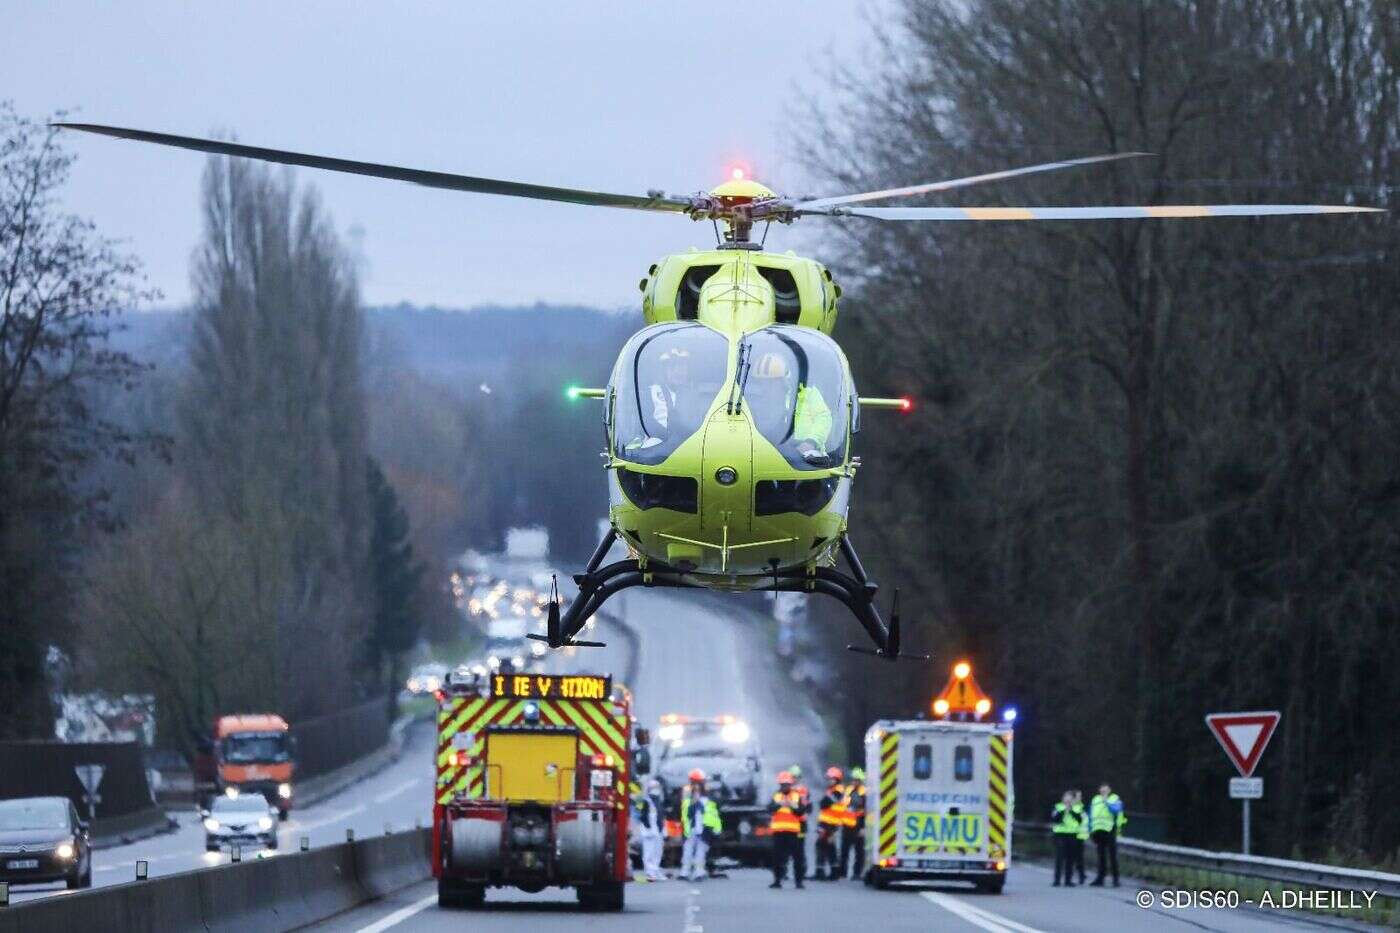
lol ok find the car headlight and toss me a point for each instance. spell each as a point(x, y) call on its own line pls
point(65, 850)
point(265, 823)
point(230, 792)
point(735, 732)
point(284, 791)
point(211, 824)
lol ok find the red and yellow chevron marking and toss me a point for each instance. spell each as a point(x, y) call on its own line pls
point(602, 728)
point(889, 794)
point(996, 794)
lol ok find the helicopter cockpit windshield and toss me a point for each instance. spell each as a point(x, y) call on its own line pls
point(665, 381)
point(795, 391)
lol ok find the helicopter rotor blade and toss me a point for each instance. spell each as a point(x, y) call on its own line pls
point(1160, 211)
point(935, 186)
point(430, 179)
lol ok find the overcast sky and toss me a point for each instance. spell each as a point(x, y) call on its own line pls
point(661, 95)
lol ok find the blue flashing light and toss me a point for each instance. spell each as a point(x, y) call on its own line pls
point(1008, 714)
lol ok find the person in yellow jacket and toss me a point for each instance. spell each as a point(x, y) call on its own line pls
point(787, 822)
point(1064, 826)
point(1107, 818)
point(1081, 835)
point(700, 824)
point(771, 389)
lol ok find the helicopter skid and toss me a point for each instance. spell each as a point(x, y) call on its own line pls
point(598, 583)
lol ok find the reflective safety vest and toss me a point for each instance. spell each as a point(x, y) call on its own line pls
point(1106, 814)
point(785, 818)
point(834, 811)
point(709, 818)
point(1062, 820)
point(811, 419)
point(856, 803)
point(1083, 831)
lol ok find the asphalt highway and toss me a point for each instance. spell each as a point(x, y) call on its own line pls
point(395, 797)
point(702, 654)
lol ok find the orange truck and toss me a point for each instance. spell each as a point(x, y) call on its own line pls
point(251, 754)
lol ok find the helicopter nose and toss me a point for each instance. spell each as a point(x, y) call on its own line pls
point(726, 480)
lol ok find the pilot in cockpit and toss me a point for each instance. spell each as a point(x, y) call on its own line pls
point(676, 403)
point(786, 411)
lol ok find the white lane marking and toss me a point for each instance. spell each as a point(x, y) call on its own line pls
point(691, 923)
point(977, 916)
point(400, 915)
point(393, 792)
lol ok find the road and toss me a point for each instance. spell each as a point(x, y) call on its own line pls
point(395, 796)
point(702, 654)
point(699, 654)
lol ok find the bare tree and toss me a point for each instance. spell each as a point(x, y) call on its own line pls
point(60, 284)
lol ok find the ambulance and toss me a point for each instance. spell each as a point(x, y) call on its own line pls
point(939, 802)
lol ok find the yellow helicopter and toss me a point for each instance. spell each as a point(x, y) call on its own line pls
point(730, 414)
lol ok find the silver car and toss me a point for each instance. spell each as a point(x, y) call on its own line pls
point(244, 819)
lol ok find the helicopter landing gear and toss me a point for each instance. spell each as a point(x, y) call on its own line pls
point(857, 591)
point(595, 585)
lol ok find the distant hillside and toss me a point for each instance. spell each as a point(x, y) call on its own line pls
point(482, 343)
point(454, 346)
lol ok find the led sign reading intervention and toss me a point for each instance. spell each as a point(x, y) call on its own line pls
point(552, 686)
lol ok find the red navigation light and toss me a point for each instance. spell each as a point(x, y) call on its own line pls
point(736, 173)
point(906, 403)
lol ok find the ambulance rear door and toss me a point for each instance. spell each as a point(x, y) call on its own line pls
point(942, 796)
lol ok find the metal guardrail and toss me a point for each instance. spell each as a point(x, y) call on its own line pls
point(1257, 867)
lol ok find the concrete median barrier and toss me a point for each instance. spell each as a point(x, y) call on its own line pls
point(385, 864)
point(282, 892)
point(327, 881)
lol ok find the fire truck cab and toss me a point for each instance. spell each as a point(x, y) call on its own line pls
point(533, 774)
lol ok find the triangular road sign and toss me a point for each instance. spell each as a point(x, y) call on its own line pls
point(1244, 736)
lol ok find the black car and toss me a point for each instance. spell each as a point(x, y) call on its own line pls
point(42, 841)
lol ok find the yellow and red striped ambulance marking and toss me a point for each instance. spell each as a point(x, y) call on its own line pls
point(889, 794)
point(996, 794)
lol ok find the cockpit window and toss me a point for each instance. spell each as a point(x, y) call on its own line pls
point(795, 391)
point(665, 380)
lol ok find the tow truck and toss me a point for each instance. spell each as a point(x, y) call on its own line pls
point(533, 773)
point(940, 795)
point(725, 749)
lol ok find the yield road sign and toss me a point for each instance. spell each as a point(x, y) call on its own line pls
point(1250, 788)
point(90, 776)
point(1244, 736)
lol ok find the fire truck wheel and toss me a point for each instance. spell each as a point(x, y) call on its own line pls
point(455, 895)
point(608, 895)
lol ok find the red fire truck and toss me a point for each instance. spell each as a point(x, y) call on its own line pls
point(533, 773)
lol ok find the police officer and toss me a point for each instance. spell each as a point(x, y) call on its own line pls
point(700, 824)
point(830, 818)
point(787, 826)
point(853, 829)
point(1081, 835)
point(1106, 821)
point(1064, 825)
